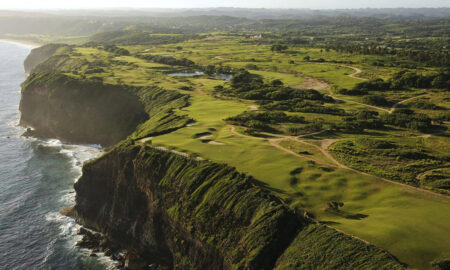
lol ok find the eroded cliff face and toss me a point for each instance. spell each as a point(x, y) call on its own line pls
point(186, 214)
point(77, 111)
point(181, 212)
point(41, 54)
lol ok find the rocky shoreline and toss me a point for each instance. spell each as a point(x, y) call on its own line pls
point(124, 259)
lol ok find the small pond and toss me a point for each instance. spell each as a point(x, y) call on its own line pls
point(186, 74)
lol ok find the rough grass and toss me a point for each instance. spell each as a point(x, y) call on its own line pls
point(398, 159)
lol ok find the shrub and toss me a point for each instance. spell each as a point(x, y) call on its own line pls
point(375, 100)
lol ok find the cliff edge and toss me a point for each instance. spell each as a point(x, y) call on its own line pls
point(186, 214)
point(59, 106)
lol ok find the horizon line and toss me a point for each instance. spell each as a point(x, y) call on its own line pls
point(203, 8)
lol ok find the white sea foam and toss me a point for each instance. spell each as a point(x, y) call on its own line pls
point(69, 231)
point(78, 154)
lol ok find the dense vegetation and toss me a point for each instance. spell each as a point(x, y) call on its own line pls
point(276, 96)
point(402, 160)
point(403, 80)
point(168, 60)
point(262, 120)
point(409, 119)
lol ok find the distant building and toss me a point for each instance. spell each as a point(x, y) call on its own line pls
point(256, 36)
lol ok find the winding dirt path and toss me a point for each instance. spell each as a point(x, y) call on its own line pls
point(404, 101)
point(312, 134)
point(316, 84)
point(353, 75)
point(323, 150)
point(276, 143)
point(331, 94)
point(356, 70)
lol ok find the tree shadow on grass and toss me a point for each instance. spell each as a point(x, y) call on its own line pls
point(346, 214)
point(329, 222)
point(356, 216)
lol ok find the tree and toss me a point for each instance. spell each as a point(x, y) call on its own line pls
point(278, 48)
point(375, 100)
point(277, 82)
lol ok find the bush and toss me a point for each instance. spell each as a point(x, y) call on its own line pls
point(373, 144)
point(375, 100)
point(269, 117)
point(406, 118)
point(423, 104)
point(278, 48)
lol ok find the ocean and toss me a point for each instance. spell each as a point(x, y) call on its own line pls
point(36, 182)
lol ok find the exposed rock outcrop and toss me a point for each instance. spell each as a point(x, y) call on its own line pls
point(59, 106)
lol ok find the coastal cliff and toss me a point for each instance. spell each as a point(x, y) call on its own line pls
point(184, 214)
point(41, 54)
point(59, 106)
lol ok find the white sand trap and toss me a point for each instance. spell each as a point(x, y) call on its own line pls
point(253, 107)
point(204, 137)
point(215, 143)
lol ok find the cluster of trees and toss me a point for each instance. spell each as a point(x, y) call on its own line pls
point(275, 96)
point(376, 100)
point(278, 48)
point(116, 50)
point(423, 104)
point(404, 80)
point(366, 119)
point(356, 124)
point(426, 56)
point(408, 119)
point(319, 60)
point(262, 120)
point(250, 86)
point(369, 143)
point(212, 69)
point(167, 60)
point(301, 105)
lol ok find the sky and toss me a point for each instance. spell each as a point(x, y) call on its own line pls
point(313, 4)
